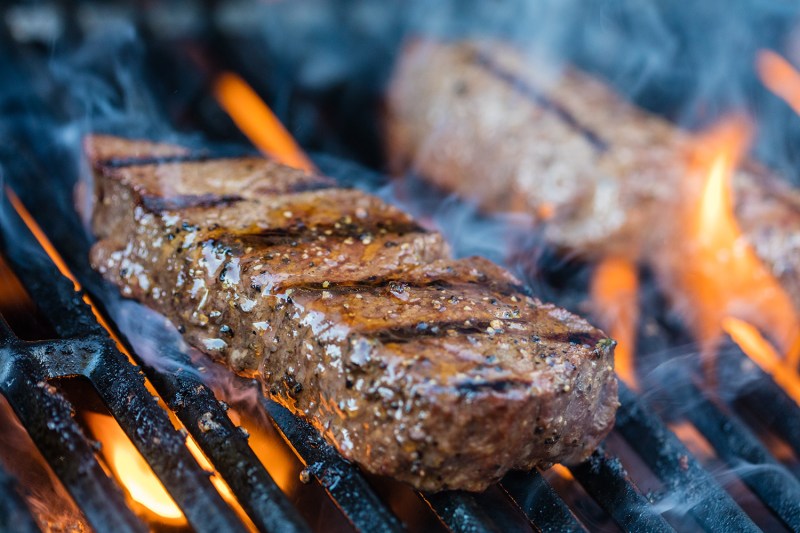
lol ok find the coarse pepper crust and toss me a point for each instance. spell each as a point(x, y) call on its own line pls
point(443, 373)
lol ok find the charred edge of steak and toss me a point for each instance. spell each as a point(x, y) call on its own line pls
point(526, 90)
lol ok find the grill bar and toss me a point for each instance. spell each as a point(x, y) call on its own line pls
point(460, 512)
point(14, 514)
point(783, 416)
point(736, 445)
point(669, 459)
point(341, 479)
point(607, 482)
point(227, 449)
point(540, 503)
point(47, 417)
point(120, 385)
point(760, 396)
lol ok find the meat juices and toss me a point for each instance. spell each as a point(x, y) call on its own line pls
point(442, 373)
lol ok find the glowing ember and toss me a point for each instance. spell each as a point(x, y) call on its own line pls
point(133, 472)
point(714, 270)
point(780, 77)
point(258, 122)
point(614, 298)
point(126, 463)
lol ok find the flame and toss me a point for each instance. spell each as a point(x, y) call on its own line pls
point(717, 271)
point(780, 77)
point(222, 487)
point(562, 472)
point(257, 121)
point(693, 439)
point(61, 265)
point(614, 289)
point(281, 463)
point(128, 466)
point(764, 355)
point(146, 493)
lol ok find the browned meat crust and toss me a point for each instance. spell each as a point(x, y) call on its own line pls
point(598, 173)
point(438, 372)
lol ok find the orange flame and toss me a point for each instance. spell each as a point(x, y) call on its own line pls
point(145, 492)
point(222, 487)
point(562, 472)
point(780, 77)
point(764, 355)
point(127, 465)
point(258, 122)
point(716, 269)
point(60, 264)
point(614, 298)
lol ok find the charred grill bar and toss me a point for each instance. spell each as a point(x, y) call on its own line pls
point(85, 349)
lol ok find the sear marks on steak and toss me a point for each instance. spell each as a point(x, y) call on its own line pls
point(601, 176)
point(439, 372)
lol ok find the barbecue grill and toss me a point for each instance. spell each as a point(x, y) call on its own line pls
point(686, 456)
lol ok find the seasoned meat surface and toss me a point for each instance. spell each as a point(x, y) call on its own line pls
point(599, 175)
point(442, 373)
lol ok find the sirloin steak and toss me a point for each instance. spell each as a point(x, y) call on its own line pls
point(439, 372)
point(599, 175)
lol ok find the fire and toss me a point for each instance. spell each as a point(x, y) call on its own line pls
point(127, 465)
point(258, 122)
point(780, 77)
point(562, 472)
point(145, 491)
point(614, 298)
point(61, 265)
point(716, 271)
point(764, 355)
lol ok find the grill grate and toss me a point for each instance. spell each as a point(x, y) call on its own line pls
point(85, 349)
point(601, 475)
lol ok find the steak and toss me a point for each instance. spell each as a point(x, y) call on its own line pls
point(443, 373)
point(598, 175)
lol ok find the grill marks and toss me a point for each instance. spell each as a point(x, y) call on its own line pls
point(187, 201)
point(530, 92)
point(356, 346)
point(194, 157)
point(376, 229)
point(299, 233)
point(443, 328)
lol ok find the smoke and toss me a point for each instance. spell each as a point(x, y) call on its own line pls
point(326, 66)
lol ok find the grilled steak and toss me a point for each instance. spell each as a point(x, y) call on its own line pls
point(442, 373)
point(601, 176)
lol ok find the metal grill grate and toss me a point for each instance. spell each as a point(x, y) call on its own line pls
point(85, 349)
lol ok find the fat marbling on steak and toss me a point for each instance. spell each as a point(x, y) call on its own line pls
point(439, 372)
